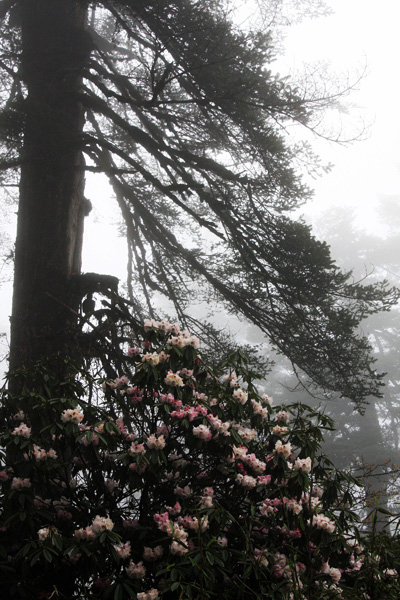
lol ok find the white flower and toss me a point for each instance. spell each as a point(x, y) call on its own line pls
point(336, 574)
point(294, 506)
point(151, 323)
point(72, 415)
point(185, 339)
point(246, 481)
point(303, 464)
point(178, 547)
point(152, 358)
point(259, 409)
point(282, 416)
point(43, 533)
point(173, 379)
point(198, 524)
point(239, 453)
point(323, 523)
point(283, 449)
point(101, 524)
point(151, 594)
point(280, 431)
point(155, 443)
point(245, 433)
point(240, 395)
point(266, 399)
point(222, 541)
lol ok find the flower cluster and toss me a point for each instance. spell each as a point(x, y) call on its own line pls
point(72, 415)
point(22, 430)
point(181, 480)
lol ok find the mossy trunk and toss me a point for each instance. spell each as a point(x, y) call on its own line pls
point(55, 47)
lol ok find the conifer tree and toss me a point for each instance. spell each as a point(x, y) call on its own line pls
point(183, 113)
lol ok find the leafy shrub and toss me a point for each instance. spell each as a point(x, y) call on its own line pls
point(178, 482)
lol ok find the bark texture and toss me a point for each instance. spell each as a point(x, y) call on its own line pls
point(51, 208)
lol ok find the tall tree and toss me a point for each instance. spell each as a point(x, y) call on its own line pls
point(181, 111)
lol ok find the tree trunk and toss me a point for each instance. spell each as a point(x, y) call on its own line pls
point(55, 48)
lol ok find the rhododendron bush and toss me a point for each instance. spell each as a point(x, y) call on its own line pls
point(178, 481)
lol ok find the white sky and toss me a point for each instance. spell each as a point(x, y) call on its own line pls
point(361, 32)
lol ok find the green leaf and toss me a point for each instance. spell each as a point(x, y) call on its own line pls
point(175, 586)
point(130, 591)
point(35, 557)
point(118, 592)
point(210, 558)
point(47, 554)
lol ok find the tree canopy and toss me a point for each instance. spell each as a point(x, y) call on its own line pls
point(182, 111)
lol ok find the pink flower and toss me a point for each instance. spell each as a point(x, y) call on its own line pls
point(162, 521)
point(133, 351)
point(3, 476)
point(22, 431)
point(18, 483)
point(202, 432)
point(323, 523)
point(121, 382)
point(185, 492)
point(111, 485)
point(263, 479)
point(136, 468)
point(174, 510)
point(130, 523)
point(152, 554)
point(254, 463)
point(155, 443)
point(84, 534)
point(293, 505)
point(137, 448)
point(151, 594)
point(136, 571)
point(123, 550)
